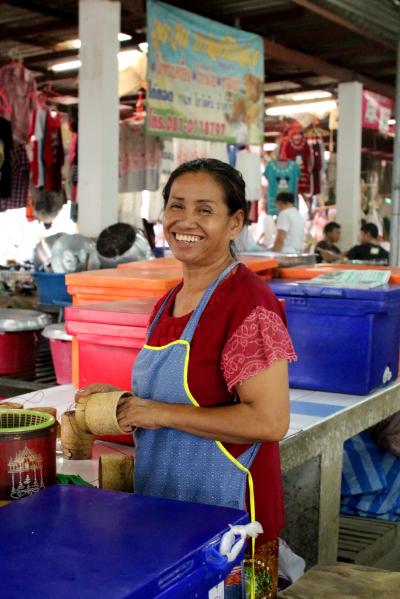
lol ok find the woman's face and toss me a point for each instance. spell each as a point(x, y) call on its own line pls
point(197, 225)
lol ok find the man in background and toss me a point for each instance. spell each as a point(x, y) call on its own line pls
point(326, 249)
point(369, 248)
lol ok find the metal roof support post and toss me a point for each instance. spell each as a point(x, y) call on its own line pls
point(348, 205)
point(99, 24)
point(395, 218)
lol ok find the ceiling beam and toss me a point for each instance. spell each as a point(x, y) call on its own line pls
point(19, 33)
point(343, 22)
point(303, 87)
point(294, 77)
point(50, 57)
point(271, 16)
point(362, 49)
point(321, 67)
point(320, 33)
point(41, 8)
point(55, 55)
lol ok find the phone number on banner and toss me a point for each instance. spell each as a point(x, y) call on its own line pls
point(175, 124)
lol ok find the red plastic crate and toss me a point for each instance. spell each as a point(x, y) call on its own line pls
point(107, 339)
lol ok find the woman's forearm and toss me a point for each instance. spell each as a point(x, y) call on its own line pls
point(239, 423)
point(261, 415)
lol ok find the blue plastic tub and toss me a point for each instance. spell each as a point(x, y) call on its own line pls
point(89, 543)
point(52, 288)
point(347, 340)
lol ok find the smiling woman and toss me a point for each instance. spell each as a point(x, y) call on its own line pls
point(210, 385)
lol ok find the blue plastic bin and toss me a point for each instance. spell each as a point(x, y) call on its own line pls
point(69, 541)
point(347, 340)
point(52, 288)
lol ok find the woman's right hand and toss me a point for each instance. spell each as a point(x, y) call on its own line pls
point(95, 388)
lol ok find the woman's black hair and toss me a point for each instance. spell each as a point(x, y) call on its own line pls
point(230, 180)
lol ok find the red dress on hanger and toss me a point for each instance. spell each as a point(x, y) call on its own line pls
point(296, 148)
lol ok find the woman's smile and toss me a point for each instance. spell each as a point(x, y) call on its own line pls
point(187, 238)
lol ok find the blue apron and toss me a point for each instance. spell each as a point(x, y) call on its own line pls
point(174, 464)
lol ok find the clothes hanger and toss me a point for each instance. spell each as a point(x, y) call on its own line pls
point(16, 58)
point(47, 98)
point(316, 132)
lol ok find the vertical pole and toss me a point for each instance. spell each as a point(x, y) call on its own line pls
point(99, 24)
point(395, 217)
point(348, 204)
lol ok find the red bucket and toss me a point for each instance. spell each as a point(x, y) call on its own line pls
point(18, 352)
point(27, 453)
point(19, 340)
point(61, 351)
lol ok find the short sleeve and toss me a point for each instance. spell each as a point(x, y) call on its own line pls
point(260, 340)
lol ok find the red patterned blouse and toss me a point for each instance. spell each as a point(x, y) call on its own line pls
point(241, 332)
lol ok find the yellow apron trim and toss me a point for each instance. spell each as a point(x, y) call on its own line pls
point(221, 448)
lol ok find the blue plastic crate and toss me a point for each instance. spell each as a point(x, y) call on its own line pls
point(347, 340)
point(52, 288)
point(88, 543)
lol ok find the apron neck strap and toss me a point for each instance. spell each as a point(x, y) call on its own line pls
point(190, 328)
point(194, 319)
point(158, 315)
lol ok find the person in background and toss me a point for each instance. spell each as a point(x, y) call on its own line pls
point(265, 228)
point(211, 396)
point(290, 226)
point(326, 249)
point(369, 248)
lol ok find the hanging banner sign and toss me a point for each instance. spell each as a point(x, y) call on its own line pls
point(205, 80)
point(376, 111)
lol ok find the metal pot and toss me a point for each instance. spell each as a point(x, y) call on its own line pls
point(74, 253)
point(286, 259)
point(122, 243)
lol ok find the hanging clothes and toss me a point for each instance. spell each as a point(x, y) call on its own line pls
point(19, 87)
point(73, 165)
point(249, 164)
point(38, 128)
point(318, 162)
point(191, 149)
point(232, 154)
point(20, 173)
point(139, 158)
point(282, 175)
point(296, 148)
point(6, 145)
point(218, 150)
point(53, 152)
point(153, 205)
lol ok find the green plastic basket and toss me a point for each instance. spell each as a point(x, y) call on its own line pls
point(20, 421)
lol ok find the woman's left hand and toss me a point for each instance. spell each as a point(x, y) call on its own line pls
point(136, 412)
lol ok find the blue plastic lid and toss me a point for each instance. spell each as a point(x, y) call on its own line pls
point(389, 292)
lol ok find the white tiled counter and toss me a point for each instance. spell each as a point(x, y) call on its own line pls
point(311, 457)
point(312, 454)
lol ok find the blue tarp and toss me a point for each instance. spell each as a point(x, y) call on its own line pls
point(370, 480)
